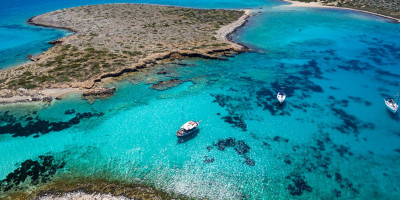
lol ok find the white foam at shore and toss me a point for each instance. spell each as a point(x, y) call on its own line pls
point(83, 196)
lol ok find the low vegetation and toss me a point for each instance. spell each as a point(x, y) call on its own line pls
point(112, 37)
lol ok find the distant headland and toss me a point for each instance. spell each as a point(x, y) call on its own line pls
point(381, 8)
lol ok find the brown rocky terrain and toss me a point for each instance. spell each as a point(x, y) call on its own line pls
point(112, 39)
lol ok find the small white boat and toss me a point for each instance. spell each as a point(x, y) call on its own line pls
point(188, 128)
point(391, 105)
point(281, 96)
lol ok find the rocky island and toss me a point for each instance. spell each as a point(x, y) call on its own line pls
point(113, 39)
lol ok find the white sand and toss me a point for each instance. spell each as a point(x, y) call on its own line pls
point(83, 196)
point(224, 31)
point(60, 92)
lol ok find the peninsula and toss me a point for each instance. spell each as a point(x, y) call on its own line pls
point(112, 39)
point(389, 9)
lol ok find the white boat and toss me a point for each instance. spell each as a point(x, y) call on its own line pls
point(391, 105)
point(188, 128)
point(281, 96)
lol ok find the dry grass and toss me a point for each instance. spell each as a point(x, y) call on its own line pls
point(113, 37)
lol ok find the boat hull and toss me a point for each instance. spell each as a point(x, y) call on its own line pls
point(187, 133)
point(281, 98)
point(392, 107)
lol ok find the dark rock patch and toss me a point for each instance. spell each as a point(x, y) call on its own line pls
point(280, 139)
point(37, 125)
point(232, 105)
point(242, 147)
point(236, 121)
point(99, 92)
point(208, 159)
point(337, 193)
point(68, 112)
point(254, 136)
point(239, 146)
point(343, 150)
point(382, 72)
point(223, 143)
point(249, 161)
point(299, 185)
point(7, 117)
point(338, 177)
point(209, 148)
point(34, 171)
point(345, 183)
point(165, 85)
point(267, 145)
point(333, 88)
point(334, 102)
point(360, 100)
point(287, 160)
point(356, 66)
point(350, 125)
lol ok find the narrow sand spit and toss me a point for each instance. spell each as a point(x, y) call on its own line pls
point(225, 31)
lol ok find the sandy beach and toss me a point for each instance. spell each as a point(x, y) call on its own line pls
point(320, 5)
point(225, 31)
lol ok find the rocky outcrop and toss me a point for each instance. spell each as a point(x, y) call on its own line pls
point(99, 92)
point(54, 42)
point(22, 95)
point(165, 85)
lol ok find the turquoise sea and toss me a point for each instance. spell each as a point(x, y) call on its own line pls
point(333, 138)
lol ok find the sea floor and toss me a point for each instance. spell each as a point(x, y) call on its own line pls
point(333, 138)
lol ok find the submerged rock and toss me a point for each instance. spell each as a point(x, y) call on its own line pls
point(222, 143)
point(208, 159)
point(242, 147)
point(299, 185)
point(71, 111)
point(34, 171)
point(249, 161)
point(36, 126)
point(165, 85)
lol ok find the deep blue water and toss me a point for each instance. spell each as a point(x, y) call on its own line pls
point(333, 138)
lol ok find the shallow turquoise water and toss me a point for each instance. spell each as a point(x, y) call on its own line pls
point(333, 138)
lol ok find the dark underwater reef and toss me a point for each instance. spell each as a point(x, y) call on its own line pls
point(240, 147)
point(33, 125)
point(32, 172)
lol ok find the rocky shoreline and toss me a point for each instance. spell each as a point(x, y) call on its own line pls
point(215, 47)
point(81, 188)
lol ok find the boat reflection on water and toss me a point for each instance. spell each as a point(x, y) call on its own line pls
point(188, 137)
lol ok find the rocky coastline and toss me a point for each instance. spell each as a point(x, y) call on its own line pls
point(83, 188)
point(216, 45)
